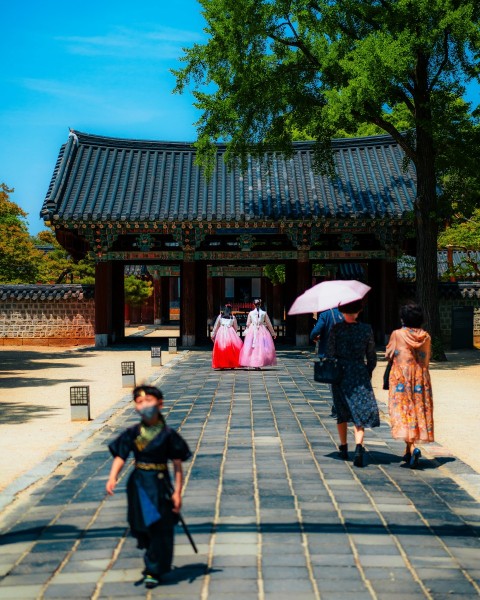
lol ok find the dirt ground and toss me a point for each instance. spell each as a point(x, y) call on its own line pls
point(35, 381)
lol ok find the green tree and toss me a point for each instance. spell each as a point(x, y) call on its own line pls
point(271, 67)
point(57, 266)
point(137, 291)
point(19, 259)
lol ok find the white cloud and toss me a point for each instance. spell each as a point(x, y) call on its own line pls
point(160, 43)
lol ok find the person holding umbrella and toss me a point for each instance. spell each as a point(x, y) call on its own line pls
point(352, 343)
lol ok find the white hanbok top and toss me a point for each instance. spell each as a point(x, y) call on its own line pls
point(224, 322)
point(256, 319)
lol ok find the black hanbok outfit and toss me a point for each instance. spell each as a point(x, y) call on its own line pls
point(149, 489)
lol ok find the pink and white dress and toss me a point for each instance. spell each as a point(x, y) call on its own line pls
point(258, 347)
point(227, 343)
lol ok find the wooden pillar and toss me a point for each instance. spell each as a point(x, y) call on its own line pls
point(164, 300)
point(210, 301)
point(290, 295)
point(278, 302)
point(118, 302)
point(304, 281)
point(202, 315)
point(188, 300)
point(103, 296)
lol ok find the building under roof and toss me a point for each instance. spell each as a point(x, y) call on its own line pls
point(128, 201)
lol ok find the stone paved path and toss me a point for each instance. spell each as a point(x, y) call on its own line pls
point(275, 514)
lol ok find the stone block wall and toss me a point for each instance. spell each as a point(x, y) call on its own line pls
point(56, 315)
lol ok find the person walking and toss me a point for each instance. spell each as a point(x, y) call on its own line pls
point(321, 331)
point(258, 347)
point(410, 398)
point(227, 343)
point(353, 344)
point(153, 503)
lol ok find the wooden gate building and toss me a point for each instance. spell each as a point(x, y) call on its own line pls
point(126, 201)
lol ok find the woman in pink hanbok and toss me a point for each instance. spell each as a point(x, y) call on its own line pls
point(258, 347)
point(227, 343)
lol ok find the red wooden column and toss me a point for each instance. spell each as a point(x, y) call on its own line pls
point(164, 300)
point(304, 281)
point(103, 298)
point(188, 300)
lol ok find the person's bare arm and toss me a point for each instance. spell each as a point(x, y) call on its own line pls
point(117, 466)
point(178, 484)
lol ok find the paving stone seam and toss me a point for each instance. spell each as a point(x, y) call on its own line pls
point(333, 498)
point(50, 523)
point(117, 550)
point(458, 479)
point(426, 522)
point(394, 538)
point(123, 475)
point(216, 517)
point(256, 497)
point(298, 510)
point(21, 487)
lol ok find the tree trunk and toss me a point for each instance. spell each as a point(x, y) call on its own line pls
point(426, 230)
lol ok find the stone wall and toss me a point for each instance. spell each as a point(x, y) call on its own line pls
point(452, 295)
point(47, 315)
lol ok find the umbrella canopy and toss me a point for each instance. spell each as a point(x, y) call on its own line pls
point(329, 294)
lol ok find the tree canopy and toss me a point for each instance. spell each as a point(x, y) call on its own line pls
point(273, 68)
point(19, 258)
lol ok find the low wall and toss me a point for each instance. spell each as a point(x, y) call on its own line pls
point(47, 315)
point(450, 296)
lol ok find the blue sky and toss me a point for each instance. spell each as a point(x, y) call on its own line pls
point(99, 67)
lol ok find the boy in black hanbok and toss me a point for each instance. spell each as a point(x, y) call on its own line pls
point(153, 503)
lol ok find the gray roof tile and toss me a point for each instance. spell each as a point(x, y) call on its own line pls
point(108, 179)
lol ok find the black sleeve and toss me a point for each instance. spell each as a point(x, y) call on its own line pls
point(177, 447)
point(122, 446)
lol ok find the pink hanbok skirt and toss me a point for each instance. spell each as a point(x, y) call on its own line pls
point(226, 349)
point(258, 353)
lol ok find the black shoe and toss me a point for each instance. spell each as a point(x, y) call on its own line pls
point(358, 456)
point(343, 451)
point(414, 460)
point(406, 457)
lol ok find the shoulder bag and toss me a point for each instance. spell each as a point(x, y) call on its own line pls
point(327, 370)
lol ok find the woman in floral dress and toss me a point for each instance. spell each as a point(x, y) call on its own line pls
point(410, 400)
point(353, 344)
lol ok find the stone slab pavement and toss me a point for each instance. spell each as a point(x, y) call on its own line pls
point(274, 512)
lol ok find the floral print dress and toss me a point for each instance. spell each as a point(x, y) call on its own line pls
point(410, 399)
point(353, 344)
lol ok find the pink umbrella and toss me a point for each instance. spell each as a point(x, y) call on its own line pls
point(329, 294)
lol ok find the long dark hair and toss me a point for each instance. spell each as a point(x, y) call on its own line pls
point(227, 311)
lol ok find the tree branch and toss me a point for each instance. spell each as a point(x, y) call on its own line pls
point(446, 58)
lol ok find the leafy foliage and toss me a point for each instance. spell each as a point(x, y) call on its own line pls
point(272, 69)
point(137, 291)
point(276, 273)
point(19, 259)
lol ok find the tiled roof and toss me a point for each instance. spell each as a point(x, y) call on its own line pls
point(46, 292)
point(406, 265)
point(108, 179)
point(445, 290)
